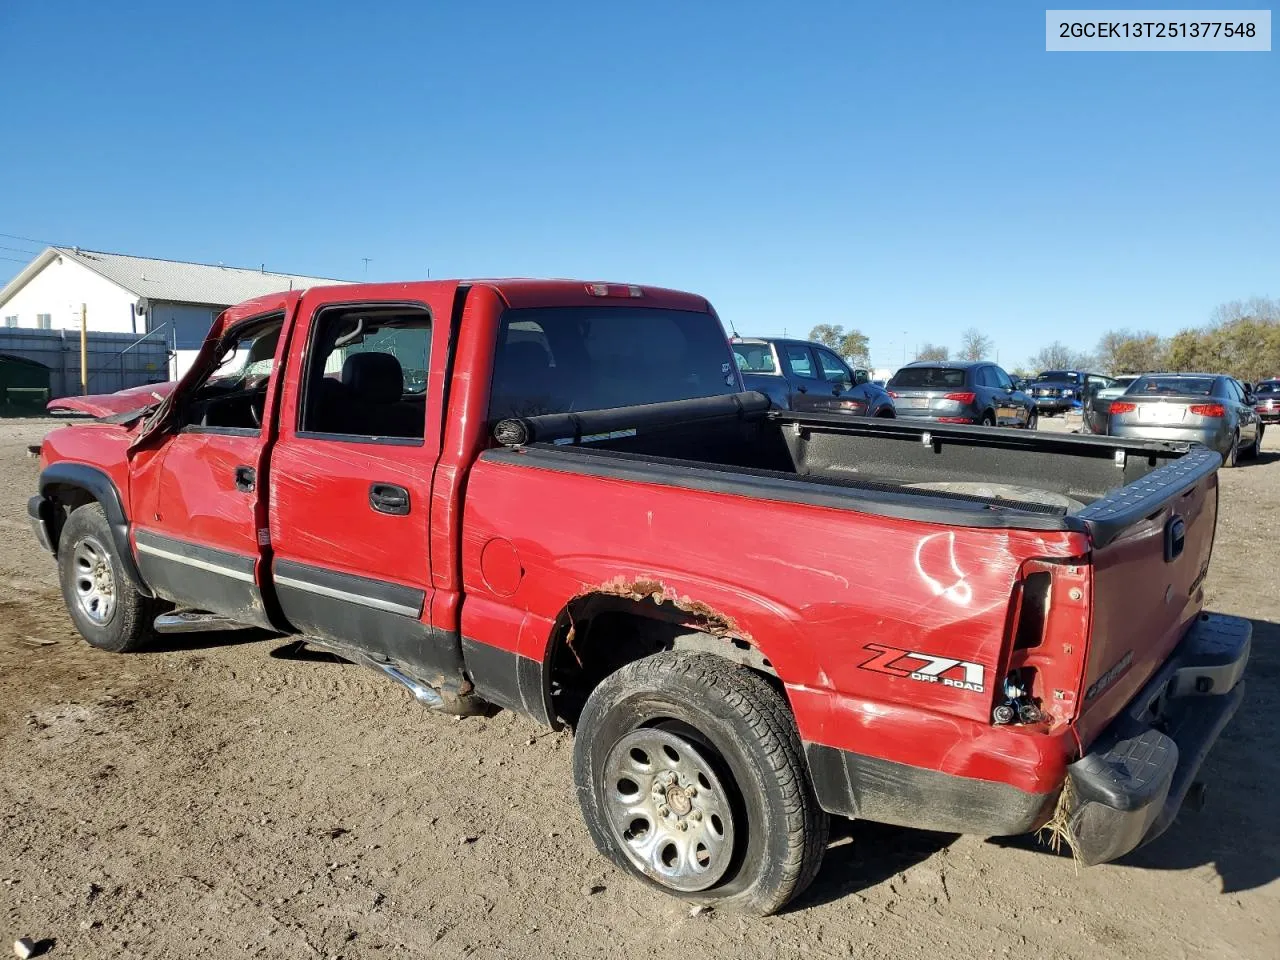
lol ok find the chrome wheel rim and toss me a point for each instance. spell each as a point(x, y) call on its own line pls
point(95, 585)
point(667, 810)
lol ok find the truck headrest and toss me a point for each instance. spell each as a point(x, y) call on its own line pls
point(373, 377)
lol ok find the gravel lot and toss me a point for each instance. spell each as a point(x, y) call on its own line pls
point(218, 801)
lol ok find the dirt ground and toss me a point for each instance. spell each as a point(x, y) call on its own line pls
point(218, 801)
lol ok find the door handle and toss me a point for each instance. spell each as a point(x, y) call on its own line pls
point(835, 391)
point(246, 479)
point(801, 388)
point(389, 498)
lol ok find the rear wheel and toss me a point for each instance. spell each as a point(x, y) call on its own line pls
point(988, 419)
point(109, 613)
point(1232, 459)
point(690, 776)
point(1033, 421)
point(1256, 447)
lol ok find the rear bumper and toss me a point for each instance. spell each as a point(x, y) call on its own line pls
point(1130, 785)
point(1214, 437)
point(1125, 791)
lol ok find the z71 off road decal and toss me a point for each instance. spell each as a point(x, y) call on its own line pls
point(925, 667)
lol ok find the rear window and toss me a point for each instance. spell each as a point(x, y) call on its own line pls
point(1059, 376)
point(571, 359)
point(1272, 386)
point(754, 358)
point(1172, 386)
point(927, 378)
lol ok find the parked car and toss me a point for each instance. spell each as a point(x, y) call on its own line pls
point(750, 618)
point(1266, 401)
point(961, 392)
point(1097, 403)
point(799, 375)
point(1205, 408)
point(1057, 391)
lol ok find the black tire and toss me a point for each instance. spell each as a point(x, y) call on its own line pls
point(1232, 459)
point(127, 624)
point(1033, 421)
point(746, 731)
point(1256, 447)
point(988, 419)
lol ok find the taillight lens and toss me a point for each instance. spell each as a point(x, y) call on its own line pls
point(1123, 406)
point(961, 397)
point(1208, 409)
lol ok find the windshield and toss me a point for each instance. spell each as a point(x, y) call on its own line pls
point(1269, 386)
point(570, 359)
point(1059, 376)
point(927, 378)
point(755, 358)
point(1172, 386)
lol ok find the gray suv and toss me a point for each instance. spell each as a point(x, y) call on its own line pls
point(957, 392)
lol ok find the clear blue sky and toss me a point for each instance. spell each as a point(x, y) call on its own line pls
point(895, 167)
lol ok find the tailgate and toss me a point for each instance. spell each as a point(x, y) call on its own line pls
point(1147, 577)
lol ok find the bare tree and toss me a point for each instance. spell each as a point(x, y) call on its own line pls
point(975, 345)
point(1058, 356)
point(1123, 351)
point(932, 351)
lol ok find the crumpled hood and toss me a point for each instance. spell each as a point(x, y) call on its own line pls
point(106, 404)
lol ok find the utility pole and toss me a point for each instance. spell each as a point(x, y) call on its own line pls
point(84, 350)
point(366, 264)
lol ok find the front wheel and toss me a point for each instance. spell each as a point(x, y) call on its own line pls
point(1033, 421)
point(690, 776)
point(104, 605)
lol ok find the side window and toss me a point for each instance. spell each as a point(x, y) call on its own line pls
point(1234, 391)
point(980, 378)
point(1002, 379)
point(833, 368)
point(367, 374)
point(800, 361)
point(232, 396)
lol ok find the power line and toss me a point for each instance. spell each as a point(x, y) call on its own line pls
point(14, 236)
point(14, 259)
point(18, 250)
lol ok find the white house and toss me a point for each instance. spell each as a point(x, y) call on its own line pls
point(140, 295)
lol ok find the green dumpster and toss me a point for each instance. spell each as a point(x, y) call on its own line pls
point(24, 386)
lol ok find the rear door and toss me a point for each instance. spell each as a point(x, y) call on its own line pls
point(351, 475)
point(809, 391)
point(1244, 413)
point(197, 503)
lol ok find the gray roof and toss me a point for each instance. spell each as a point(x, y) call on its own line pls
point(173, 280)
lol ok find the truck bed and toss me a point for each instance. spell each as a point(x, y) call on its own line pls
point(971, 476)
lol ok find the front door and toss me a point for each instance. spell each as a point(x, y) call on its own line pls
point(196, 502)
point(351, 477)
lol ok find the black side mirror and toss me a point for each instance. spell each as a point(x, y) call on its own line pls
point(860, 377)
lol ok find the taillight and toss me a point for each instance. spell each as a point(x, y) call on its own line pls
point(894, 395)
point(1208, 409)
point(1123, 406)
point(1044, 651)
point(961, 397)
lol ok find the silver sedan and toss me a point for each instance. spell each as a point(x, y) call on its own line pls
point(1210, 409)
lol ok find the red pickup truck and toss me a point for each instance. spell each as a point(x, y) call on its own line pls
point(554, 497)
